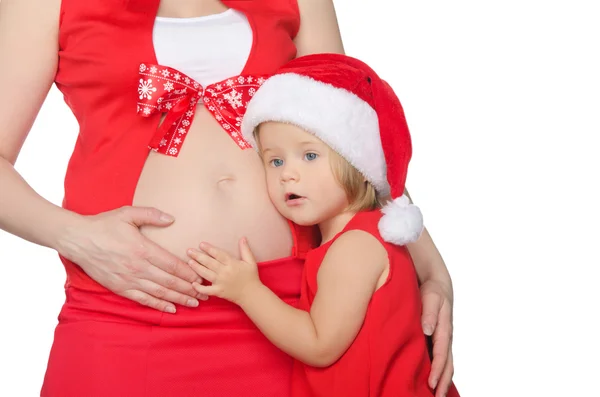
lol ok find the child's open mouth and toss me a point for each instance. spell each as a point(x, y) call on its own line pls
point(293, 199)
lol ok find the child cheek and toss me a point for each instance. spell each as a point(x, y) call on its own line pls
point(273, 187)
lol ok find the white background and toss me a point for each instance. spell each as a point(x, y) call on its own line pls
point(503, 101)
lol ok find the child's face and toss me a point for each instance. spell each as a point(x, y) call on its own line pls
point(300, 181)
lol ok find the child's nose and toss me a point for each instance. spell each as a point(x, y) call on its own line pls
point(289, 174)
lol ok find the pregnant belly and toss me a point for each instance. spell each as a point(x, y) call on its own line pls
point(216, 192)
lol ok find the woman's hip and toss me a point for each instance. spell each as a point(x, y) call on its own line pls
point(103, 358)
point(106, 345)
point(112, 359)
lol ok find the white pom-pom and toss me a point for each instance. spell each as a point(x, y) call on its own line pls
point(401, 223)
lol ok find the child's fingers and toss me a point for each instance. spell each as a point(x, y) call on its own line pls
point(245, 251)
point(202, 271)
point(218, 254)
point(208, 290)
point(204, 259)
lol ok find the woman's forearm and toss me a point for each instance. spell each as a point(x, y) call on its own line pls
point(26, 214)
point(428, 261)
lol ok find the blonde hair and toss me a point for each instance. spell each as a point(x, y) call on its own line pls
point(360, 193)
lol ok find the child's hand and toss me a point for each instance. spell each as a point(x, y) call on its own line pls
point(231, 278)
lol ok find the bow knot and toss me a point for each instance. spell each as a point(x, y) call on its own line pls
point(166, 90)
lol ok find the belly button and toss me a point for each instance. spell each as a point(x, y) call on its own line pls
point(225, 179)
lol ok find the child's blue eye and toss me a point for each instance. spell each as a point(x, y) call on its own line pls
point(311, 156)
point(277, 162)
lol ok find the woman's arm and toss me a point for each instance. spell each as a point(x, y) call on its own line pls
point(438, 300)
point(347, 279)
point(319, 31)
point(28, 44)
point(109, 246)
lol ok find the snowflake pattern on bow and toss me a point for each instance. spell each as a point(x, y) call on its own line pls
point(167, 90)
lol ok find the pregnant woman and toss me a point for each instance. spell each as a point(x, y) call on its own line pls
point(158, 88)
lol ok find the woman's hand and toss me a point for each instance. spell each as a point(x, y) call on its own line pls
point(231, 278)
point(111, 250)
point(437, 322)
point(438, 300)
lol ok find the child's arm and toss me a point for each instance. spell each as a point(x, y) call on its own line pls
point(346, 280)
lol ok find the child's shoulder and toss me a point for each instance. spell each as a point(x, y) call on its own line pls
point(355, 248)
point(360, 237)
point(363, 231)
point(367, 221)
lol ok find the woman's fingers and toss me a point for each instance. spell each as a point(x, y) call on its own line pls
point(160, 292)
point(170, 285)
point(446, 380)
point(169, 263)
point(141, 216)
point(148, 300)
point(152, 252)
point(129, 264)
point(432, 304)
point(442, 342)
point(437, 321)
point(201, 296)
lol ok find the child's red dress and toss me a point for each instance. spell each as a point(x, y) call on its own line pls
point(389, 356)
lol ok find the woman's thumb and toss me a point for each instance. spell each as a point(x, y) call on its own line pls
point(140, 216)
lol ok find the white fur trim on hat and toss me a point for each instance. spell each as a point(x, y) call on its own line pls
point(401, 223)
point(336, 116)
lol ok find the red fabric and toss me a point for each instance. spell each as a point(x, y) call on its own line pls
point(166, 90)
point(389, 356)
point(106, 345)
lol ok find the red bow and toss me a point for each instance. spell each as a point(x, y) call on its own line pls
point(164, 89)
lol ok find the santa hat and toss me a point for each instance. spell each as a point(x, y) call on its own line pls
point(344, 103)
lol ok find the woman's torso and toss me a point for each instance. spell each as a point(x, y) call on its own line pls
point(105, 344)
point(215, 190)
